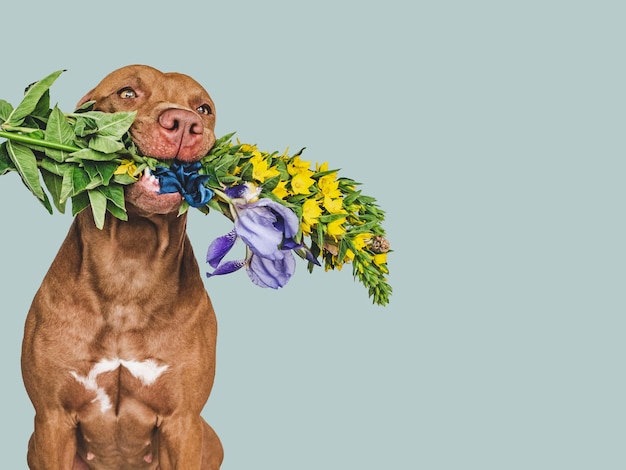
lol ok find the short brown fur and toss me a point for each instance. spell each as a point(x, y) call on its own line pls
point(129, 292)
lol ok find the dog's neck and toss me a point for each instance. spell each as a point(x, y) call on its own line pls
point(128, 261)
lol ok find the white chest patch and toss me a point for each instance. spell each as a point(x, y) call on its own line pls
point(147, 372)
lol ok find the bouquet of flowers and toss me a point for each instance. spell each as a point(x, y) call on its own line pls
point(280, 204)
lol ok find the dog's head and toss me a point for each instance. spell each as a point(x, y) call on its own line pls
point(175, 115)
point(175, 120)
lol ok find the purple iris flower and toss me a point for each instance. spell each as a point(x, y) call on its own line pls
point(184, 178)
point(268, 229)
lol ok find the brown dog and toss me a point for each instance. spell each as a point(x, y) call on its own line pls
point(119, 348)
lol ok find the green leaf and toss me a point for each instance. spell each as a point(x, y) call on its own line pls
point(106, 170)
point(58, 169)
point(94, 183)
point(91, 168)
point(42, 108)
point(98, 207)
point(344, 244)
point(110, 124)
point(124, 179)
point(6, 164)
point(105, 144)
point(222, 140)
point(31, 99)
point(326, 219)
point(26, 165)
point(116, 211)
point(90, 154)
point(54, 184)
point(86, 106)
point(319, 240)
point(79, 203)
point(115, 194)
point(58, 131)
point(75, 180)
point(83, 125)
point(184, 207)
point(5, 110)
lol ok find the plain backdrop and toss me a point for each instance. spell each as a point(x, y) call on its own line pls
point(492, 133)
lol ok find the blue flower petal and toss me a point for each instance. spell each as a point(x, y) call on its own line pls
point(227, 268)
point(219, 247)
point(271, 273)
point(236, 192)
point(255, 226)
point(184, 178)
point(286, 220)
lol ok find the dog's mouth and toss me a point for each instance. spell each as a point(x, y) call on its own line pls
point(179, 177)
point(149, 181)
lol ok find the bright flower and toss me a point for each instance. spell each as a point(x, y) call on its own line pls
point(380, 259)
point(247, 147)
point(334, 206)
point(185, 179)
point(360, 240)
point(321, 167)
point(301, 182)
point(267, 228)
point(310, 213)
point(280, 191)
point(126, 167)
point(329, 186)
point(335, 228)
point(260, 169)
point(297, 166)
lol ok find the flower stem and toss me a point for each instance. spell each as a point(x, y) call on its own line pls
point(229, 201)
point(37, 142)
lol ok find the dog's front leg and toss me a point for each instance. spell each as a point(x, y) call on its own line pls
point(53, 444)
point(189, 443)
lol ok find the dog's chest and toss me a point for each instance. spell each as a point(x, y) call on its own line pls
point(107, 378)
point(115, 390)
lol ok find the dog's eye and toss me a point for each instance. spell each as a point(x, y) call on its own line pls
point(127, 93)
point(204, 109)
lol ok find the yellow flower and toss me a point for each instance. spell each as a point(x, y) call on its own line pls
point(329, 186)
point(335, 264)
point(260, 170)
point(310, 213)
point(301, 182)
point(360, 240)
point(334, 206)
point(247, 147)
point(336, 229)
point(380, 259)
point(127, 166)
point(297, 166)
point(280, 191)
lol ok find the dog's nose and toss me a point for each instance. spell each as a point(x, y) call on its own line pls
point(183, 130)
point(180, 121)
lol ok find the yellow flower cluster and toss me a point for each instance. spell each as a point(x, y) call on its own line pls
point(342, 225)
point(326, 197)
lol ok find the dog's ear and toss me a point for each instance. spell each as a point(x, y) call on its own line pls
point(85, 99)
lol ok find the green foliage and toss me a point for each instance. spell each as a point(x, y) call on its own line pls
point(88, 156)
point(76, 154)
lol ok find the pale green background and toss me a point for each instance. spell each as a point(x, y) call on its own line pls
point(492, 132)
